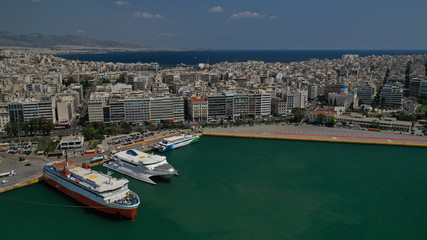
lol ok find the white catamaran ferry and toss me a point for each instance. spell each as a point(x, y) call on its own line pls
point(175, 142)
point(141, 165)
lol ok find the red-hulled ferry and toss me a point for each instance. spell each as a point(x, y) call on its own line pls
point(92, 188)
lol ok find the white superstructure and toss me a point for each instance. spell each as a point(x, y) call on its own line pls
point(141, 165)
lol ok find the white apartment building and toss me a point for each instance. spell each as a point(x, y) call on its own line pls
point(30, 109)
point(47, 108)
point(197, 109)
point(313, 91)
point(391, 95)
point(366, 92)
point(265, 104)
point(4, 116)
point(65, 109)
point(95, 110)
point(293, 100)
point(178, 108)
point(278, 107)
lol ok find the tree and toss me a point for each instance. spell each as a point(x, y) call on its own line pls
point(298, 114)
point(45, 126)
point(99, 136)
point(85, 84)
point(112, 130)
point(375, 124)
point(46, 145)
point(12, 129)
point(127, 128)
point(89, 132)
point(321, 119)
point(332, 122)
point(25, 127)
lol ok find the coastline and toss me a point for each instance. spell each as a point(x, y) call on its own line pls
point(208, 56)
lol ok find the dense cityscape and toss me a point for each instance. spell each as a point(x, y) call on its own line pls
point(216, 120)
point(382, 92)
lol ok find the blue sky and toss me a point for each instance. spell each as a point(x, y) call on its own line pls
point(232, 24)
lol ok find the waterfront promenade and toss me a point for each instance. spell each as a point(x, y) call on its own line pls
point(321, 134)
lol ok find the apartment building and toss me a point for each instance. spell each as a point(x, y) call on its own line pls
point(4, 116)
point(65, 110)
point(137, 109)
point(391, 95)
point(161, 108)
point(198, 109)
point(95, 110)
point(178, 108)
point(216, 106)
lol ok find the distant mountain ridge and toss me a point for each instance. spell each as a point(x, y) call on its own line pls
point(40, 40)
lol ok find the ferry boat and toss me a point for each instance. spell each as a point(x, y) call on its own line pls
point(175, 142)
point(92, 188)
point(140, 165)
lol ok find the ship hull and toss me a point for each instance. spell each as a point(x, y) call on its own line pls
point(139, 175)
point(126, 212)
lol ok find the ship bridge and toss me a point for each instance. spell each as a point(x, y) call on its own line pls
point(136, 157)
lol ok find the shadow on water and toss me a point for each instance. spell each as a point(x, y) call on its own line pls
point(159, 179)
point(87, 209)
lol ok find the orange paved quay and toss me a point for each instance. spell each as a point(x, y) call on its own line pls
point(320, 134)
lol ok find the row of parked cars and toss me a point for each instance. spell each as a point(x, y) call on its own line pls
point(127, 139)
point(18, 152)
point(23, 149)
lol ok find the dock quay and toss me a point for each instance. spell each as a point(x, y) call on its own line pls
point(319, 134)
point(30, 171)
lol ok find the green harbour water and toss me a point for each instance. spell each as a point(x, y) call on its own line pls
point(234, 188)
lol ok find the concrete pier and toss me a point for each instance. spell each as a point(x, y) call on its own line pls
point(320, 134)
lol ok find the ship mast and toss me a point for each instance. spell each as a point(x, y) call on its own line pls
point(66, 158)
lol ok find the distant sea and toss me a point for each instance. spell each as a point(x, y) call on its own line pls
point(173, 58)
